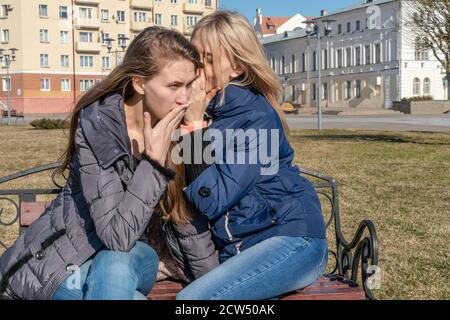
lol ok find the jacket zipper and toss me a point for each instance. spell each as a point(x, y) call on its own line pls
point(238, 247)
point(227, 218)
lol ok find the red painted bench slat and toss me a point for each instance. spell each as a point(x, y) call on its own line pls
point(324, 289)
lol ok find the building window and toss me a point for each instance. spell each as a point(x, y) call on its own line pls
point(348, 53)
point(208, 3)
point(173, 20)
point(314, 61)
point(106, 63)
point(358, 56)
point(105, 15)
point(122, 40)
point(426, 86)
point(105, 37)
point(86, 84)
point(64, 36)
point(45, 84)
point(348, 90)
point(120, 16)
point(283, 65)
point(325, 59)
point(377, 53)
point(358, 89)
point(85, 13)
point(140, 16)
point(339, 28)
point(294, 64)
point(339, 58)
point(192, 20)
point(43, 10)
point(86, 37)
point(4, 11)
point(421, 49)
point(65, 85)
point(158, 19)
point(349, 27)
point(367, 49)
point(416, 86)
point(358, 25)
point(192, 1)
point(43, 35)
point(86, 61)
point(173, 1)
point(64, 61)
point(274, 62)
point(314, 92)
point(5, 35)
point(63, 14)
point(325, 91)
point(6, 84)
point(303, 62)
point(44, 61)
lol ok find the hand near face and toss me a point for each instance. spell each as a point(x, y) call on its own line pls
point(199, 100)
point(157, 140)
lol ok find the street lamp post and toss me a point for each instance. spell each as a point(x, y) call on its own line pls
point(313, 27)
point(6, 59)
point(122, 44)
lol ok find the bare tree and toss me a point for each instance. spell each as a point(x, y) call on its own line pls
point(429, 20)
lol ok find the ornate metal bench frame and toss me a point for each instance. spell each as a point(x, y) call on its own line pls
point(350, 256)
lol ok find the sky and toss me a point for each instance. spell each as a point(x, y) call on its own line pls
point(284, 7)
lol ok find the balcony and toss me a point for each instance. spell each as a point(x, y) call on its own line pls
point(88, 2)
point(88, 46)
point(83, 23)
point(198, 7)
point(142, 4)
point(139, 26)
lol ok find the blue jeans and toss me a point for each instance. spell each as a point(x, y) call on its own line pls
point(113, 275)
point(266, 270)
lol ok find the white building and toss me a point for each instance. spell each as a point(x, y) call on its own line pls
point(368, 60)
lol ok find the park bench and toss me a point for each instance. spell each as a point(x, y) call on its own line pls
point(13, 114)
point(354, 262)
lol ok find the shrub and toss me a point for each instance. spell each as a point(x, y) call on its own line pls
point(50, 124)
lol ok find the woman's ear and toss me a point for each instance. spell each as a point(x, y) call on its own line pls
point(138, 85)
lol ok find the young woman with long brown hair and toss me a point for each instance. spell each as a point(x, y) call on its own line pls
point(91, 242)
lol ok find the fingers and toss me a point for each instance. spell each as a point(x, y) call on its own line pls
point(172, 115)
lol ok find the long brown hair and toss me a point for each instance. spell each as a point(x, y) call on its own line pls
point(230, 33)
point(146, 56)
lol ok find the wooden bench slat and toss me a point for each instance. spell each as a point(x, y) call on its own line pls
point(323, 289)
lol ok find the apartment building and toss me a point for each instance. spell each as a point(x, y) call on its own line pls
point(368, 60)
point(66, 46)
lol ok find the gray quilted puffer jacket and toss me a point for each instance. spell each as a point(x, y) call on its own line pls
point(107, 202)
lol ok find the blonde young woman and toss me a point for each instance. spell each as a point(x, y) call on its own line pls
point(268, 226)
point(91, 242)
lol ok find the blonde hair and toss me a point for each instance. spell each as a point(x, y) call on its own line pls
point(230, 33)
point(146, 56)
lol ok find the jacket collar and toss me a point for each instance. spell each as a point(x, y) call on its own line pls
point(104, 127)
point(236, 97)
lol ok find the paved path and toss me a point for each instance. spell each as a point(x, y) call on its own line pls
point(433, 123)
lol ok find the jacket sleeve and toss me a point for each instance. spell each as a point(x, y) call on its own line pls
point(120, 216)
point(225, 182)
point(192, 246)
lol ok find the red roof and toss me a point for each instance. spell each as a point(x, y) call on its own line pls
point(270, 25)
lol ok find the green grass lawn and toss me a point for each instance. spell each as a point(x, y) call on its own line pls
point(399, 180)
